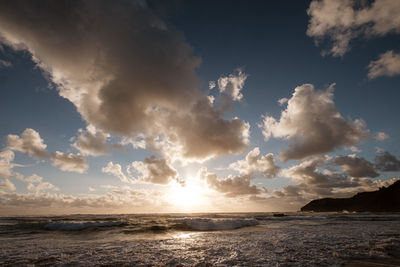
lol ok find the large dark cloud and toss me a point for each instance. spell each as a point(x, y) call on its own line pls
point(313, 180)
point(356, 166)
point(387, 162)
point(126, 70)
point(307, 172)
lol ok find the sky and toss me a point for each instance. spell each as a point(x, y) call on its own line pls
point(195, 106)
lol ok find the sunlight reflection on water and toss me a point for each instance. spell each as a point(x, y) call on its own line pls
point(182, 235)
point(295, 240)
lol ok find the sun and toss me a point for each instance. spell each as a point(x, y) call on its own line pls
point(189, 197)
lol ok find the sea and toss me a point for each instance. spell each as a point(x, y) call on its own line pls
point(242, 239)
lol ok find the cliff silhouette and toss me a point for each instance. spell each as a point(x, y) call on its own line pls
point(386, 199)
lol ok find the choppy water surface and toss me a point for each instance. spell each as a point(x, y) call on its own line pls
point(298, 239)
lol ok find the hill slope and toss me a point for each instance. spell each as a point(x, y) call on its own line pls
point(382, 200)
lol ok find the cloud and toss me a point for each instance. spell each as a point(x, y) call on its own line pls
point(32, 144)
point(356, 166)
point(300, 194)
point(92, 142)
point(313, 125)
point(231, 186)
point(388, 64)
point(387, 162)
point(254, 163)
point(307, 172)
point(354, 149)
point(211, 85)
point(116, 170)
point(43, 186)
point(35, 183)
point(199, 137)
point(69, 162)
point(5, 64)
point(34, 178)
point(29, 143)
point(233, 84)
point(312, 180)
point(154, 170)
point(6, 165)
point(46, 202)
point(151, 170)
point(381, 136)
point(283, 101)
point(137, 81)
point(343, 20)
point(6, 185)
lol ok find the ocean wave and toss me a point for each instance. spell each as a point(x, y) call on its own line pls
point(361, 217)
point(75, 226)
point(290, 218)
point(203, 224)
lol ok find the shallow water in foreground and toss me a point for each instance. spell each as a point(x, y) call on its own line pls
point(299, 239)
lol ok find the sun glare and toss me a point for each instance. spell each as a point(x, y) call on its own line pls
point(189, 196)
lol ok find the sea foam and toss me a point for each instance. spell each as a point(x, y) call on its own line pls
point(298, 239)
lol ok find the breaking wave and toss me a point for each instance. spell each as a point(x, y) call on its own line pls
point(297, 239)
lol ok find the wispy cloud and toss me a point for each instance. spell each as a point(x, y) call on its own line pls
point(343, 20)
point(387, 64)
point(5, 64)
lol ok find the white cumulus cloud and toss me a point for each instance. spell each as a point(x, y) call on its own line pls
point(233, 84)
point(313, 125)
point(29, 143)
point(69, 162)
point(116, 170)
point(254, 163)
